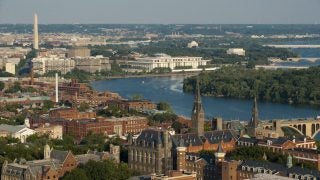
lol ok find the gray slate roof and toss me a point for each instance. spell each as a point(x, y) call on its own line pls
point(11, 128)
point(59, 155)
point(281, 168)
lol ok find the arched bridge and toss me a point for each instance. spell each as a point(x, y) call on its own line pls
point(309, 127)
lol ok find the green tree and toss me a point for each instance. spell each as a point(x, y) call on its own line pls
point(47, 104)
point(75, 174)
point(164, 106)
point(177, 126)
point(83, 107)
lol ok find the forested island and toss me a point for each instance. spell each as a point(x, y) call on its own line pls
point(284, 86)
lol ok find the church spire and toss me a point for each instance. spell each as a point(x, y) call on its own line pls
point(255, 114)
point(197, 94)
point(197, 116)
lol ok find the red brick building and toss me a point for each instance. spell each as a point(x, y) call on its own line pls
point(80, 128)
point(210, 141)
point(127, 105)
point(71, 113)
point(74, 88)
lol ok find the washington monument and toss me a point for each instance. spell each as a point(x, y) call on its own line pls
point(35, 33)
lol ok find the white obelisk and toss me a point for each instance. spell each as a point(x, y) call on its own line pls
point(57, 87)
point(35, 33)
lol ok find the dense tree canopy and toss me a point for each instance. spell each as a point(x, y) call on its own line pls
point(101, 171)
point(285, 86)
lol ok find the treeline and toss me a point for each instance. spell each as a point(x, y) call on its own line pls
point(284, 86)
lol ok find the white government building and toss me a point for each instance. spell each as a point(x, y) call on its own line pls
point(166, 61)
point(236, 51)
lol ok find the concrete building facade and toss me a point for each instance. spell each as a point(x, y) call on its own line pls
point(165, 61)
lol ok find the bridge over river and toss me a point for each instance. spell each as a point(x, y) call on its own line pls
point(305, 126)
point(293, 45)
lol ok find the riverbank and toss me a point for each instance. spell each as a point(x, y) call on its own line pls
point(169, 89)
point(150, 75)
point(298, 87)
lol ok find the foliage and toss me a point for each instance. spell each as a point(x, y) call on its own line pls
point(83, 107)
point(113, 111)
point(81, 75)
point(164, 106)
point(161, 70)
point(177, 126)
point(94, 141)
point(32, 54)
point(285, 86)
point(163, 118)
point(76, 174)
point(256, 153)
point(12, 107)
point(47, 104)
point(18, 88)
point(115, 70)
point(101, 171)
point(5, 74)
point(15, 88)
point(16, 150)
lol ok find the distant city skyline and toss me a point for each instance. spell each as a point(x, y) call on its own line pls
point(161, 11)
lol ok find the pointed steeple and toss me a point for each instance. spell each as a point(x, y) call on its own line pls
point(220, 149)
point(197, 116)
point(265, 156)
point(255, 114)
point(220, 154)
point(197, 94)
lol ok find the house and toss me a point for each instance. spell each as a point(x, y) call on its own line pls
point(21, 132)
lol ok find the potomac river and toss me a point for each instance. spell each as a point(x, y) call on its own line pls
point(169, 89)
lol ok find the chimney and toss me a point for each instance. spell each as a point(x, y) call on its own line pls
point(57, 87)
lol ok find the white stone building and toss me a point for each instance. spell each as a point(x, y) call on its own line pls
point(236, 51)
point(193, 44)
point(42, 65)
point(11, 68)
point(166, 61)
point(21, 132)
point(92, 64)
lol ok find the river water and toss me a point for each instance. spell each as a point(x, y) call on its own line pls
point(170, 89)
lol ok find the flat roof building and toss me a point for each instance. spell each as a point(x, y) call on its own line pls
point(166, 61)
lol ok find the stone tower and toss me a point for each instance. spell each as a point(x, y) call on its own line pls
point(197, 116)
point(35, 33)
point(181, 161)
point(46, 152)
point(115, 151)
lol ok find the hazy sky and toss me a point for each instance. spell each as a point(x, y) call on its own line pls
point(161, 11)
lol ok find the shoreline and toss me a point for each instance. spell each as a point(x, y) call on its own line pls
point(148, 75)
